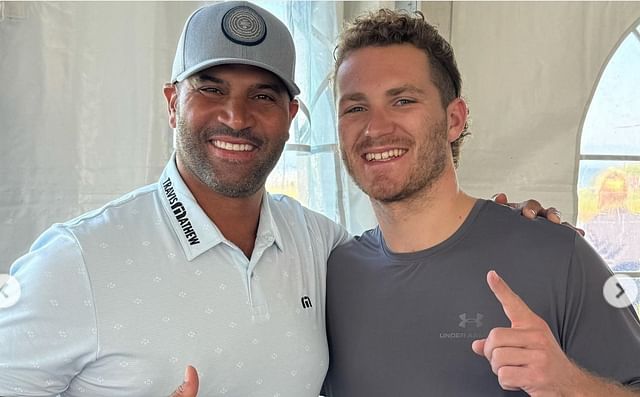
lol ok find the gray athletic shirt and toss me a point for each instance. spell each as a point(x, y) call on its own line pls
point(402, 324)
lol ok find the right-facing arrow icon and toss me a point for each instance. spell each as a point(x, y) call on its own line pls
point(620, 291)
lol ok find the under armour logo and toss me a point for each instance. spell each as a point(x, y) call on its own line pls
point(306, 302)
point(477, 320)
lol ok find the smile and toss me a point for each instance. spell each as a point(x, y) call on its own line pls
point(386, 155)
point(234, 147)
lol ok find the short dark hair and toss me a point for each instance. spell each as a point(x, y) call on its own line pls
point(388, 27)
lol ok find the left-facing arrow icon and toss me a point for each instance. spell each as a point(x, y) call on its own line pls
point(9, 291)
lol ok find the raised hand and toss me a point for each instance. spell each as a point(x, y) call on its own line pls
point(189, 387)
point(525, 356)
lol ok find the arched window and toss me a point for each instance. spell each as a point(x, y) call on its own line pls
point(609, 169)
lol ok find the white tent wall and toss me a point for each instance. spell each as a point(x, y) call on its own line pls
point(82, 115)
point(83, 120)
point(529, 70)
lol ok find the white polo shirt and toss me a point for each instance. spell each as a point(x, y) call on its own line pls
point(118, 301)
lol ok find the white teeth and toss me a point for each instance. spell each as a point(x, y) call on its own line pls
point(236, 147)
point(385, 156)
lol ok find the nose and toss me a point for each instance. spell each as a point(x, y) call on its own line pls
point(235, 113)
point(379, 123)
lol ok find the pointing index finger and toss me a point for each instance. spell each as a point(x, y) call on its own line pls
point(514, 307)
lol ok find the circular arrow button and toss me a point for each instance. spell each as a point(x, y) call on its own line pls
point(9, 291)
point(620, 290)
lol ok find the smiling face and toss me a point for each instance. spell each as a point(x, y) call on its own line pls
point(394, 131)
point(232, 122)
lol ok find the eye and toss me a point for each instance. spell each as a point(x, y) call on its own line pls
point(354, 109)
point(264, 97)
point(210, 90)
point(404, 101)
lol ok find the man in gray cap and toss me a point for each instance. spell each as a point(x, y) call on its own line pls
point(203, 267)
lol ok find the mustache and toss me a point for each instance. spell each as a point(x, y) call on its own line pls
point(368, 142)
point(245, 133)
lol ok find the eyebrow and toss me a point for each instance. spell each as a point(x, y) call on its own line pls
point(407, 88)
point(205, 77)
point(274, 86)
point(355, 97)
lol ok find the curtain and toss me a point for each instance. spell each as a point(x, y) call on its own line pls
point(83, 119)
point(310, 168)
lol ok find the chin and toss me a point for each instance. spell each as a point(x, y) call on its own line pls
point(388, 198)
point(383, 192)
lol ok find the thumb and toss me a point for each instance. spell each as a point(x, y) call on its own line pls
point(478, 346)
point(190, 384)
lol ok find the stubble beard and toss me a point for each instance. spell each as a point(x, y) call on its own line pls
point(429, 167)
point(191, 147)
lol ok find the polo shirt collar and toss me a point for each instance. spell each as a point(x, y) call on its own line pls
point(268, 231)
point(195, 231)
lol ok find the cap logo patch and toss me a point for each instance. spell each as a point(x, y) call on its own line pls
point(243, 25)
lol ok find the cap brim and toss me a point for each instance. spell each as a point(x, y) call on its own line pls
point(291, 87)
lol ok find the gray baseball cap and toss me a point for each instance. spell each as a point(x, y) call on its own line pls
point(235, 32)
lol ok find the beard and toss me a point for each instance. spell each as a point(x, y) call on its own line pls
point(226, 177)
point(430, 164)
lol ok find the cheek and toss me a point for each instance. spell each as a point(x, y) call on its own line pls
point(274, 124)
point(197, 109)
point(346, 133)
point(188, 115)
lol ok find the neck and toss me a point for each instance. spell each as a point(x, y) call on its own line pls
point(236, 217)
point(428, 218)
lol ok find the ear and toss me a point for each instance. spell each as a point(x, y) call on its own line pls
point(456, 118)
point(171, 95)
point(294, 106)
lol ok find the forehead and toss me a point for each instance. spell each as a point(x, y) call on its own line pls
point(383, 66)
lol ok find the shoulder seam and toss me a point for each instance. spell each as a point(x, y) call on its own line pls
point(115, 203)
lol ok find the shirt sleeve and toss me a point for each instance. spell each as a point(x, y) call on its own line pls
point(597, 336)
point(336, 233)
point(49, 334)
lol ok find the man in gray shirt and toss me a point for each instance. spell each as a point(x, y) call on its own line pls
point(407, 303)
